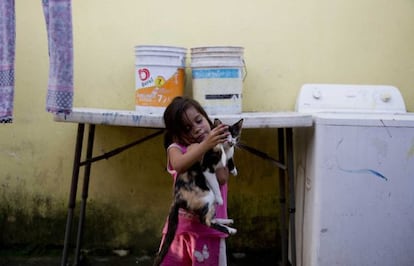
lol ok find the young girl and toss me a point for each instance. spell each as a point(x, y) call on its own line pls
point(188, 136)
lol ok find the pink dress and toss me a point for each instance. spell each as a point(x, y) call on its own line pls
point(195, 244)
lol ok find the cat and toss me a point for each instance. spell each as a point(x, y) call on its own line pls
point(226, 150)
point(197, 189)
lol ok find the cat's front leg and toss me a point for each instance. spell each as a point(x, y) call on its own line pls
point(234, 171)
point(232, 167)
point(224, 228)
point(222, 221)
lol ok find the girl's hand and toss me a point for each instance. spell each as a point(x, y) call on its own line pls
point(217, 135)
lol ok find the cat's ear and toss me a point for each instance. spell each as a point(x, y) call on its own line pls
point(216, 122)
point(240, 123)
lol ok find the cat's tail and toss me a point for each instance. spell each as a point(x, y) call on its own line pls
point(169, 236)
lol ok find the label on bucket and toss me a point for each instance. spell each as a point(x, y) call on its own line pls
point(218, 90)
point(156, 86)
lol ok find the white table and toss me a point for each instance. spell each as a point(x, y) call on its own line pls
point(284, 121)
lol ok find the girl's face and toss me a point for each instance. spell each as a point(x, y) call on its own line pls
point(197, 126)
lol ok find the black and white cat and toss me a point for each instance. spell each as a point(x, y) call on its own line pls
point(197, 190)
point(226, 150)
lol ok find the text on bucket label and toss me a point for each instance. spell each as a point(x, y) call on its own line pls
point(157, 86)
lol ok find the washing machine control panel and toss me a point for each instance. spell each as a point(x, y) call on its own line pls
point(349, 98)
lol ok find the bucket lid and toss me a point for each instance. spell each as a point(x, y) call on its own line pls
point(217, 61)
point(217, 49)
point(160, 48)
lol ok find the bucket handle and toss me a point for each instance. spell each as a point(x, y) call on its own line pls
point(244, 70)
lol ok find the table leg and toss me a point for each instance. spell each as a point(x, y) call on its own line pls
point(72, 195)
point(291, 176)
point(282, 195)
point(85, 188)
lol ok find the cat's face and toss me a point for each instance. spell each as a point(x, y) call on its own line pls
point(235, 131)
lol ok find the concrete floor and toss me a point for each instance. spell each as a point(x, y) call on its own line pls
point(238, 259)
point(51, 256)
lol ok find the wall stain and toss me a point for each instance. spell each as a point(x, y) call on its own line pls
point(107, 227)
point(129, 197)
point(43, 222)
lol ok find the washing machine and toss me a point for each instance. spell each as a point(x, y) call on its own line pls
point(354, 180)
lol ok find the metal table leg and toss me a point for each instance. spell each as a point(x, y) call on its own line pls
point(72, 195)
point(292, 210)
point(282, 199)
point(85, 188)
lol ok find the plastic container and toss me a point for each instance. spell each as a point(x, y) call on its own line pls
point(159, 76)
point(217, 78)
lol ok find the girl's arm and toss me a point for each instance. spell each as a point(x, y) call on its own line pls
point(179, 161)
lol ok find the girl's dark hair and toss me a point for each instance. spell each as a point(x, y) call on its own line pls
point(175, 119)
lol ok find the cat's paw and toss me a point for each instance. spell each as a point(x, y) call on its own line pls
point(232, 231)
point(222, 221)
point(234, 172)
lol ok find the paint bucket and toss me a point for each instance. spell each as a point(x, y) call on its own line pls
point(217, 78)
point(159, 76)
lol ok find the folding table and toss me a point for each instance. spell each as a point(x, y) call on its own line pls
point(283, 121)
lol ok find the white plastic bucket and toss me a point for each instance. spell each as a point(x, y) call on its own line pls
point(217, 78)
point(159, 76)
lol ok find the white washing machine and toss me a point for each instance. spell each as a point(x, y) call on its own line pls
point(355, 177)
